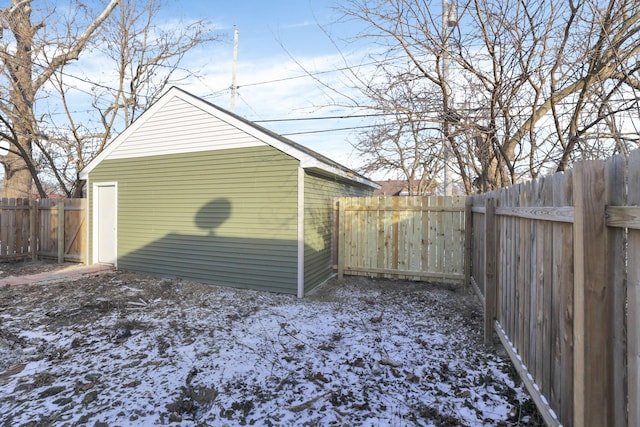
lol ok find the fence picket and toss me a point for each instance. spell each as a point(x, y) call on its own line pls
point(425, 242)
point(616, 178)
point(490, 283)
point(592, 298)
point(380, 239)
point(633, 295)
point(563, 267)
point(545, 303)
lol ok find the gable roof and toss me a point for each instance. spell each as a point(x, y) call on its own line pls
point(308, 158)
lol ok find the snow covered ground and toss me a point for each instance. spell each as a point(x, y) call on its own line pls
point(123, 349)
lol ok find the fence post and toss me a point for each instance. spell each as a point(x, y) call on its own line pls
point(34, 215)
point(633, 295)
point(490, 283)
point(335, 227)
point(468, 242)
point(616, 275)
point(60, 232)
point(593, 298)
point(341, 238)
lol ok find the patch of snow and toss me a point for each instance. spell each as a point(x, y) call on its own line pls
point(390, 353)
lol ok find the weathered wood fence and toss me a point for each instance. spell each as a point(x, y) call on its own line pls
point(44, 228)
point(401, 237)
point(556, 263)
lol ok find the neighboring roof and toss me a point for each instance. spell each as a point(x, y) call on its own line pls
point(390, 187)
point(308, 158)
point(395, 187)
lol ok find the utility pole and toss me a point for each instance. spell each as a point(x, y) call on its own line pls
point(234, 86)
point(449, 20)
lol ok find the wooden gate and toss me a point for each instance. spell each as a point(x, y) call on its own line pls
point(415, 238)
point(62, 229)
point(44, 228)
point(15, 229)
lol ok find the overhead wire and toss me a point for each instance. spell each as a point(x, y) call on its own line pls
point(220, 92)
point(296, 119)
point(35, 63)
point(328, 130)
point(258, 83)
point(307, 75)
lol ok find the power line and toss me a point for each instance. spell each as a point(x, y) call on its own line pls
point(317, 73)
point(296, 119)
point(307, 75)
point(87, 81)
point(327, 130)
point(60, 71)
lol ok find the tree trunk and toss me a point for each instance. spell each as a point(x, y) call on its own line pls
point(17, 180)
point(17, 175)
point(21, 171)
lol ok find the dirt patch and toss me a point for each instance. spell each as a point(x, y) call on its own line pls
point(122, 348)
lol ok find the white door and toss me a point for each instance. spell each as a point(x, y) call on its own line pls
point(104, 223)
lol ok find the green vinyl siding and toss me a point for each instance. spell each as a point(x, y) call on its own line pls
point(225, 217)
point(319, 193)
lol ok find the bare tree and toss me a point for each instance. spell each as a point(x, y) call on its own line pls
point(142, 57)
point(405, 140)
point(517, 86)
point(79, 109)
point(29, 59)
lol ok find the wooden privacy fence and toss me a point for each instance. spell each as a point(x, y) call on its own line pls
point(401, 237)
point(556, 263)
point(45, 228)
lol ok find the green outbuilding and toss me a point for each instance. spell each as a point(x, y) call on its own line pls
point(193, 191)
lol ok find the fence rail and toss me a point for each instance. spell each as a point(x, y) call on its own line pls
point(556, 263)
point(45, 228)
point(401, 237)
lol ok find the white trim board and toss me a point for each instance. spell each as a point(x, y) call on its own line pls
point(95, 218)
point(301, 245)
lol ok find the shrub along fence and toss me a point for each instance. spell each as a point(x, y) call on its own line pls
point(556, 263)
point(45, 228)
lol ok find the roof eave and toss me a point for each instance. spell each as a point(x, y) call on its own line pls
point(324, 169)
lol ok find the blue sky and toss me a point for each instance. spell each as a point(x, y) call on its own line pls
point(273, 36)
point(264, 25)
point(276, 37)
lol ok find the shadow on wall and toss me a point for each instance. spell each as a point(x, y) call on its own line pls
point(213, 215)
point(266, 264)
